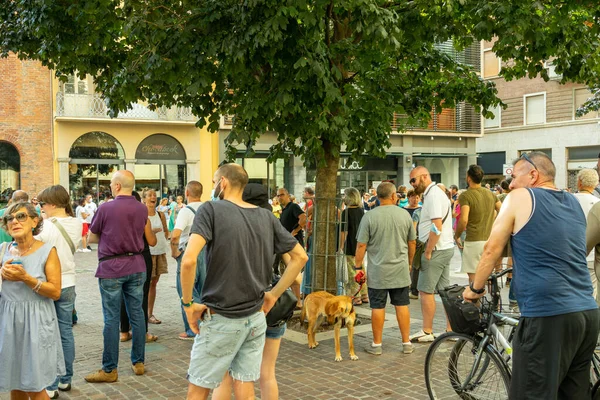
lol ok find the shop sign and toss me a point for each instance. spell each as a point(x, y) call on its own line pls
point(160, 147)
point(354, 165)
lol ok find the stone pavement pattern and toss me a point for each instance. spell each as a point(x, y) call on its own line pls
point(301, 373)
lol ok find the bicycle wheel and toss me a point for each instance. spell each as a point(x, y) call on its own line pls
point(449, 364)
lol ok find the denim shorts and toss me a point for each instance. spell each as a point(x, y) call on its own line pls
point(227, 344)
point(275, 333)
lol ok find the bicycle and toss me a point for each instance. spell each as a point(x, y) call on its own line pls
point(474, 366)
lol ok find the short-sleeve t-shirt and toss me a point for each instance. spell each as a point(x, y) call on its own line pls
point(351, 218)
point(587, 201)
point(185, 219)
point(241, 244)
point(289, 219)
point(481, 203)
point(52, 235)
point(120, 224)
point(436, 205)
point(386, 231)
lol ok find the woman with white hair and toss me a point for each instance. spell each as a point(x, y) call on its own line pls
point(587, 180)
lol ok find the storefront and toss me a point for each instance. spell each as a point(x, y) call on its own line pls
point(10, 171)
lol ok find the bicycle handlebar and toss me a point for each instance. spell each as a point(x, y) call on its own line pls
point(500, 274)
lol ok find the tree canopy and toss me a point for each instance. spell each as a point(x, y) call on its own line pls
point(325, 75)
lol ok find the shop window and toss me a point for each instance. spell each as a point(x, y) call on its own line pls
point(491, 64)
point(580, 96)
point(10, 169)
point(535, 108)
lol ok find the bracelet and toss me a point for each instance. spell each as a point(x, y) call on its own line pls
point(37, 287)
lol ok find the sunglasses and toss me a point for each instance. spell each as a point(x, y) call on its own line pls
point(413, 180)
point(525, 157)
point(42, 203)
point(21, 217)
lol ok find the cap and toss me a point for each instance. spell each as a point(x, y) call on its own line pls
point(257, 194)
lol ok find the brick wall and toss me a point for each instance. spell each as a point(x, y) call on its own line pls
point(26, 119)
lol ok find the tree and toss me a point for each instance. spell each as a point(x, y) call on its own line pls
point(326, 75)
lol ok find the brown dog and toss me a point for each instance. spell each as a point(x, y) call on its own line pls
point(336, 309)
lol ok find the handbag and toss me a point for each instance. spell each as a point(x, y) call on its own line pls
point(464, 316)
point(283, 309)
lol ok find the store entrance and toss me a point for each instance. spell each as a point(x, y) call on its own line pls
point(167, 179)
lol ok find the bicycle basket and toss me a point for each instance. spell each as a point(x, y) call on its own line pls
point(464, 316)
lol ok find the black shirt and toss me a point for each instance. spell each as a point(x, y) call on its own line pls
point(289, 220)
point(351, 218)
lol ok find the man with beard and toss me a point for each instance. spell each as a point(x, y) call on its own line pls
point(435, 230)
point(558, 328)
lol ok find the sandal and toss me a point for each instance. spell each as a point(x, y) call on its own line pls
point(357, 302)
point(184, 336)
point(151, 338)
point(154, 320)
point(125, 336)
point(365, 299)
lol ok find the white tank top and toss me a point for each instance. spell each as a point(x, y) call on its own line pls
point(161, 244)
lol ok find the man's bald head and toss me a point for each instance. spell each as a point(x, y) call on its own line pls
point(20, 196)
point(420, 179)
point(420, 170)
point(122, 183)
point(235, 174)
point(541, 162)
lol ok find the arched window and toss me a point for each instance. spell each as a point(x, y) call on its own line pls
point(10, 171)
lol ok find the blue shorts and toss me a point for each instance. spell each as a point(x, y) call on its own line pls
point(275, 333)
point(227, 344)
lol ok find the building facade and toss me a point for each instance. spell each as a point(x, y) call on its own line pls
point(26, 151)
point(539, 116)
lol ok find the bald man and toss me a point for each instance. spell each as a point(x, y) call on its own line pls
point(118, 227)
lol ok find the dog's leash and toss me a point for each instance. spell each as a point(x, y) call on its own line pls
point(358, 291)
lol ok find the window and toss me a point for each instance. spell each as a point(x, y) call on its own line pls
point(535, 108)
point(493, 122)
point(580, 96)
point(491, 64)
point(74, 85)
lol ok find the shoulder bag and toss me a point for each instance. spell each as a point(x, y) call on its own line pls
point(64, 234)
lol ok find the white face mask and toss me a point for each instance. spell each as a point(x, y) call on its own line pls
point(214, 195)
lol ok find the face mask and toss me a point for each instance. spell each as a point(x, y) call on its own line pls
point(214, 195)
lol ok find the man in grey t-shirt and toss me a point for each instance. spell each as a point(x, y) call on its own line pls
point(388, 233)
point(241, 242)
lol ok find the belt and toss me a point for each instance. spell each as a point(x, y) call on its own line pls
point(119, 256)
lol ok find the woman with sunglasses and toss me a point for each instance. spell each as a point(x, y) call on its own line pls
point(63, 231)
point(30, 345)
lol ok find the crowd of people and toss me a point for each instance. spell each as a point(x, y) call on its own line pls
point(395, 244)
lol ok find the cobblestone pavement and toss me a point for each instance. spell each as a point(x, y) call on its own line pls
point(302, 373)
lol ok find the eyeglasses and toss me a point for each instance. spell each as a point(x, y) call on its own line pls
point(525, 157)
point(21, 217)
point(413, 180)
point(281, 195)
point(42, 203)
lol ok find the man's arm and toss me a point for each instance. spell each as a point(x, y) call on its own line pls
point(188, 276)
point(359, 256)
point(501, 231)
point(498, 206)
point(175, 236)
point(412, 248)
point(592, 232)
point(297, 260)
point(433, 237)
point(301, 224)
point(93, 238)
point(461, 225)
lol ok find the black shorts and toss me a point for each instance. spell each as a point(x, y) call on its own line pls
point(398, 297)
point(552, 356)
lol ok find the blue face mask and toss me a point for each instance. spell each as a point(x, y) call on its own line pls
point(214, 195)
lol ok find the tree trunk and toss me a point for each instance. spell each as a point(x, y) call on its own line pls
point(324, 244)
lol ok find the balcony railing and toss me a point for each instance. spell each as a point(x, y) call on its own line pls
point(462, 119)
point(93, 106)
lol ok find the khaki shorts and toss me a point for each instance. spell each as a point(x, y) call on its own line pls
point(159, 265)
point(471, 255)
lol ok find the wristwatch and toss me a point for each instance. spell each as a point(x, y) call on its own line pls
point(476, 291)
point(187, 304)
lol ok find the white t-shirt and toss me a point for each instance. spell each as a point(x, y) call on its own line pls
point(436, 205)
point(185, 219)
point(51, 234)
point(90, 208)
point(586, 201)
point(79, 213)
point(161, 242)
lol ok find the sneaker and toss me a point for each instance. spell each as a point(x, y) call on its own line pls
point(79, 250)
point(375, 350)
point(53, 394)
point(86, 250)
point(407, 348)
point(413, 296)
point(138, 368)
point(89, 248)
point(422, 337)
point(102, 376)
point(65, 387)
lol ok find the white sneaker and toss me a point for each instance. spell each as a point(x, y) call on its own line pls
point(53, 394)
point(422, 337)
point(79, 250)
point(65, 387)
point(86, 251)
point(407, 348)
